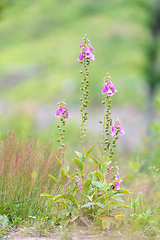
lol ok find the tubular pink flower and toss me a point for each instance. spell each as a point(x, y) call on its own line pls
point(99, 194)
point(121, 131)
point(78, 179)
point(90, 46)
point(105, 89)
point(91, 57)
point(111, 86)
point(80, 58)
point(57, 113)
point(113, 130)
point(65, 105)
point(81, 44)
point(61, 110)
point(80, 186)
point(117, 184)
point(67, 115)
point(87, 51)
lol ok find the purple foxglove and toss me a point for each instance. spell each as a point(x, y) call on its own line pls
point(87, 51)
point(115, 124)
point(113, 130)
point(121, 131)
point(112, 86)
point(81, 44)
point(117, 184)
point(90, 46)
point(57, 113)
point(80, 58)
point(80, 186)
point(91, 57)
point(61, 110)
point(65, 105)
point(78, 179)
point(106, 89)
point(99, 194)
point(67, 115)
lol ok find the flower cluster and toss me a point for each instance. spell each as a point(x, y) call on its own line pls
point(117, 128)
point(63, 109)
point(86, 51)
point(108, 86)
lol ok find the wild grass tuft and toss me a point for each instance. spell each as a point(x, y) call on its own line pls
point(24, 167)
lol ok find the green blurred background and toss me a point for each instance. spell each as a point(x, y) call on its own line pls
point(39, 46)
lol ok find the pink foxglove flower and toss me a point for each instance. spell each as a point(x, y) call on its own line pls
point(117, 126)
point(80, 58)
point(113, 130)
point(62, 109)
point(105, 89)
point(121, 131)
point(108, 87)
point(87, 49)
point(80, 186)
point(79, 180)
point(81, 44)
point(117, 184)
point(90, 46)
point(111, 86)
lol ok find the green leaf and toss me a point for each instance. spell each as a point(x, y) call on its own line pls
point(73, 189)
point(46, 195)
point(96, 161)
point(66, 169)
point(105, 166)
point(87, 205)
point(97, 184)
point(87, 185)
point(79, 155)
point(90, 198)
point(63, 175)
point(69, 196)
point(79, 163)
point(99, 204)
point(55, 180)
point(89, 150)
point(59, 160)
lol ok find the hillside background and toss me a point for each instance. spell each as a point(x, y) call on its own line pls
point(39, 46)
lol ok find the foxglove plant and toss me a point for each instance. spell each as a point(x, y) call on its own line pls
point(85, 57)
point(98, 192)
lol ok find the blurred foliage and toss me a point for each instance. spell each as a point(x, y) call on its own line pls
point(40, 38)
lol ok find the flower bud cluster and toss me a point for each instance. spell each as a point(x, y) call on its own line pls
point(62, 112)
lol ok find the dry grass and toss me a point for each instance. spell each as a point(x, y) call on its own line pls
point(24, 167)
